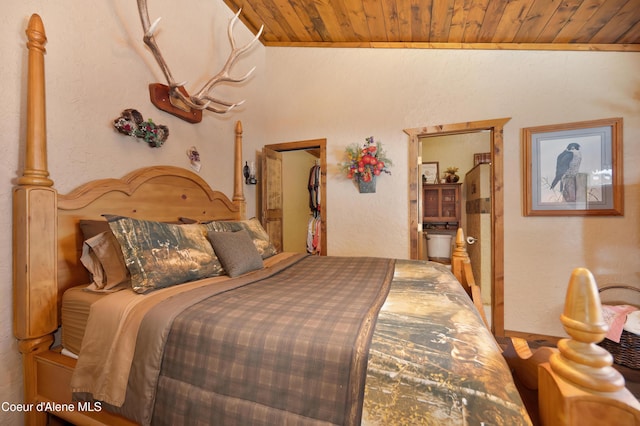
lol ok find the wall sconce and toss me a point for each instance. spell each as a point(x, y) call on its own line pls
point(249, 173)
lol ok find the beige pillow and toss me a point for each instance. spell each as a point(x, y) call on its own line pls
point(91, 227)
point(102, 257)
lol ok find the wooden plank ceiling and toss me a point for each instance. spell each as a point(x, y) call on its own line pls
point(483, 24)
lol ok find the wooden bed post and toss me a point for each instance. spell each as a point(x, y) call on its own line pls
point(579, 386)
point(458, 257)
point(34, 231)
point(461, 268)
point(35, 168)
point(238, 189)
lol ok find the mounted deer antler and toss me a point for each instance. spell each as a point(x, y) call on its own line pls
point(173, 98)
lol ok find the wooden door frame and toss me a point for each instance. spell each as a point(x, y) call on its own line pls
point(307, 145)
point(497, 201)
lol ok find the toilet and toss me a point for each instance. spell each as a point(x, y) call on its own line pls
point(439, 248)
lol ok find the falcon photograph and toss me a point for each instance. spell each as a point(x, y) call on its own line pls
point(572, 168)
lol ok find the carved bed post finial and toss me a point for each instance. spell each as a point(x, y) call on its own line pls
point(35, 170)
point(579, 386)
point(460, 250)
point(238, 189)
point(459, 256)
point(580, 360)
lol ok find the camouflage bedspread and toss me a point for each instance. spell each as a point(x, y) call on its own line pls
point(432, 361)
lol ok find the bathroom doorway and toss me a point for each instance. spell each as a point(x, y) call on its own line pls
point(495, 127)
point(469, 153)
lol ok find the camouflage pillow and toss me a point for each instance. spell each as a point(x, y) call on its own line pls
point(160, 254)
point(253, 226)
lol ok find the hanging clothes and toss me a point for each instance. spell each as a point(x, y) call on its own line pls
point(313, 235)
point(315, 222)
point(314, 190)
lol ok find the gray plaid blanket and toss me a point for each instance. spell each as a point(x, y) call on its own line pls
point(289, 348)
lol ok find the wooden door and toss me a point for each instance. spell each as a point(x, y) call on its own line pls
point(478, 220)
point(272, 195)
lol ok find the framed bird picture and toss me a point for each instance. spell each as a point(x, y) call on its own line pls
point(573, 169)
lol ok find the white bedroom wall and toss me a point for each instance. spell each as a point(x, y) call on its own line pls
point(96, 66)
point(345, 95)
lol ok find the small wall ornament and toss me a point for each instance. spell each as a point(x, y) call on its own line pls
point(131, 123)
point(194, 158)
point(364, 163)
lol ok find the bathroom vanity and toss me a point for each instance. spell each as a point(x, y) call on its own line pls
point(441, 205)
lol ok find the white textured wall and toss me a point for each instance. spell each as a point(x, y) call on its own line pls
point(346, 95)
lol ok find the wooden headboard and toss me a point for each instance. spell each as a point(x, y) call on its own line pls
point(47, 241)
point(180, 192)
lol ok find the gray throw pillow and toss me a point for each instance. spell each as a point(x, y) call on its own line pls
point(236, 252)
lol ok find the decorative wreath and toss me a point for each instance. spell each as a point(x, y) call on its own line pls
point(131, 123)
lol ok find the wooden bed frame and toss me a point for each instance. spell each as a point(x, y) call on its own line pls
point(47, 245)
point(47, 242)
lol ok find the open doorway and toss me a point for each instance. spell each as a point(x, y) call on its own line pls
point(497, 201)
point(276, 199)
point(470, 196)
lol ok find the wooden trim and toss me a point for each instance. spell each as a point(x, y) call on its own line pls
point(496, 127)
point(583, 47)
point(497, 223)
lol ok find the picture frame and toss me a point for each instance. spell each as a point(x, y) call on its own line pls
point(481, 158)
point(573, 169)
point(430, 172)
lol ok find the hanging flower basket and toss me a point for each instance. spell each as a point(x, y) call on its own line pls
point(365, 163)
point(367, 187)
